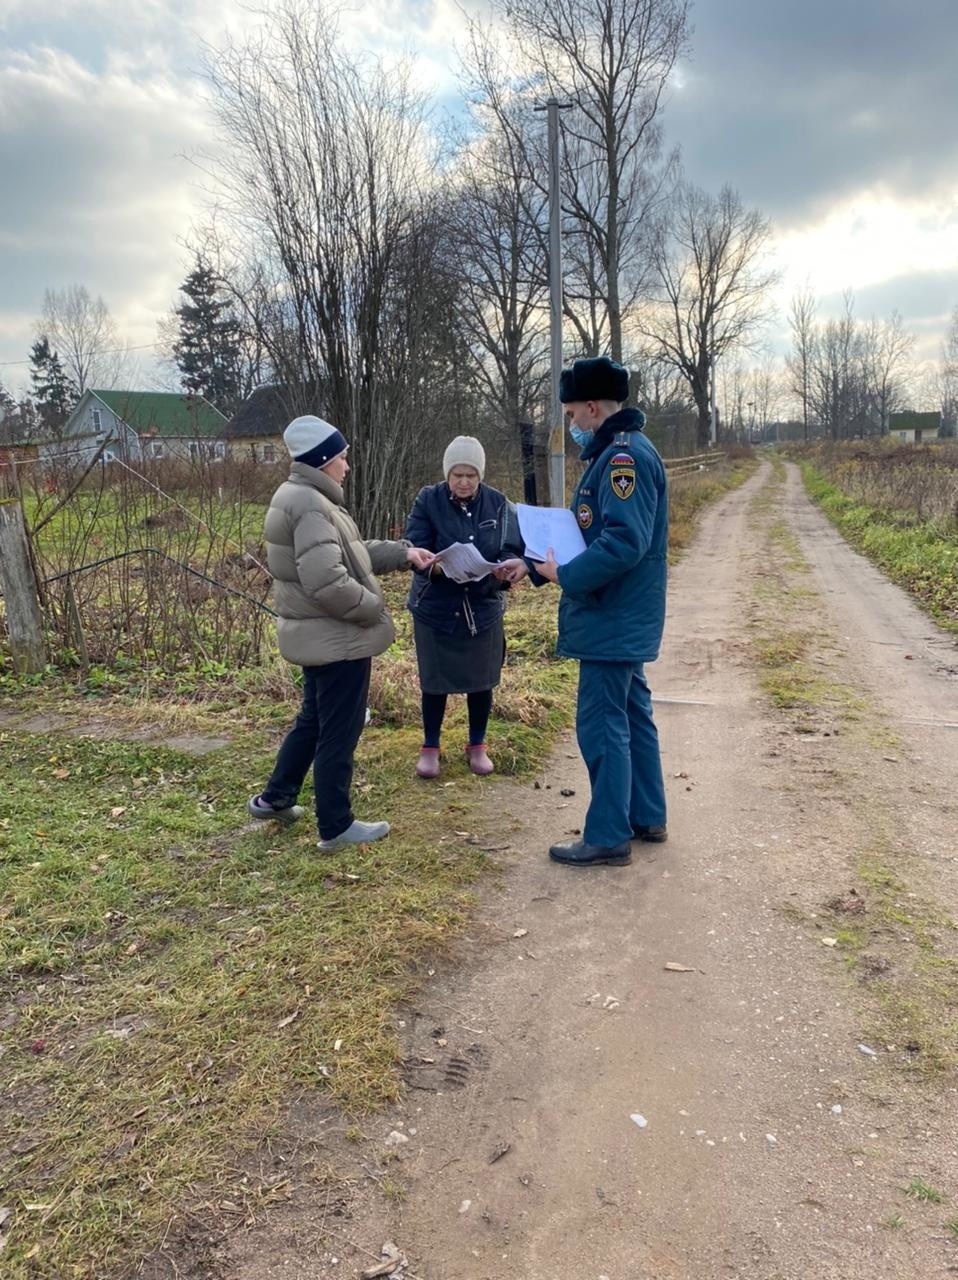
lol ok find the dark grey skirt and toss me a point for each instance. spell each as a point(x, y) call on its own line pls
point(459, 664)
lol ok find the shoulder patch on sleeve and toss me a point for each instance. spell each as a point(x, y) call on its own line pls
point(622, 460)
point(622, 480)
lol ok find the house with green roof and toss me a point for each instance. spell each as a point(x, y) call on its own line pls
point(915, 426)
point(141, 426)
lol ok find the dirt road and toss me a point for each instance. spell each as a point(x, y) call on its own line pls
point(577, 1110)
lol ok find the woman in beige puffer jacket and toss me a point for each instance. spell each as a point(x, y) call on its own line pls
point(332, 622)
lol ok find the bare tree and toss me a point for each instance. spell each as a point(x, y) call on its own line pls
point(712, 288)
point(663, 389)
point(885, 351)
point(325, 183)
point(495, 214)
point(801, 321)
point(82, 332)
point(611, 60)
point(735, 382)
point(837, 385)
point(765, 394)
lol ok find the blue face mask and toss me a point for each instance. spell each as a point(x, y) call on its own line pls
point(580, 437)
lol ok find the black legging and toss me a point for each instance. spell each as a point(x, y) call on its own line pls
point(434, 709)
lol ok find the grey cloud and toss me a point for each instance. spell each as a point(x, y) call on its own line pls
point(797, 104)
point(925, 297)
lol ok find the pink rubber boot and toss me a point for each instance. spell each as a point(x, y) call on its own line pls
point(479, 761)
point(427, 766)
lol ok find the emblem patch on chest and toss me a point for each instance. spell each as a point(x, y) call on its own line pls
point(585, 515)
point(622, 480)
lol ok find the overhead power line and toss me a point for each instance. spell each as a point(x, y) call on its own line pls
point(113, 351)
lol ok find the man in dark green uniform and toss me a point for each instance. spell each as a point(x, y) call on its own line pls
point(612, 612)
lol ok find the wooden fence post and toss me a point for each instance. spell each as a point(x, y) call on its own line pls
point(24, 620)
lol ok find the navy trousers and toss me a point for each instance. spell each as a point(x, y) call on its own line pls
point(620, 745)
point(324, 735)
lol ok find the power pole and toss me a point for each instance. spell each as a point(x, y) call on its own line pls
point(556, 428)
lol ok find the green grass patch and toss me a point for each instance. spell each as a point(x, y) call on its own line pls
point(916, 991)
point(169, 980)
point(919, 1189)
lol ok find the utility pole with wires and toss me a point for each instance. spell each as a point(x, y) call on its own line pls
point(556, 426)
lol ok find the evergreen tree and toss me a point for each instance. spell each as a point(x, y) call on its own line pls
point(207, 349)
point(54, 392)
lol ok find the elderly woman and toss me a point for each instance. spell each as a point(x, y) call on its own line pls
point(460, 644)
point(332, 622)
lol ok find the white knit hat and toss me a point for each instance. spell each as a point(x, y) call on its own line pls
point(464, 451)
point(311, 440)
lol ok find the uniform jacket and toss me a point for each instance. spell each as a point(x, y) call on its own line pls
point(612, 607)
point(436, 521)
point(329, 603)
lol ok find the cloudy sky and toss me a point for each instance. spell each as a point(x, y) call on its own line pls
point(838, 118)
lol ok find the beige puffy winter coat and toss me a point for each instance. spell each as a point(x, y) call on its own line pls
point(329, 603)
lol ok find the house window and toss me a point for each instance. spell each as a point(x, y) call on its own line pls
point(269, 453)
point(157, 449)
point(97, 423)
point(194, 451)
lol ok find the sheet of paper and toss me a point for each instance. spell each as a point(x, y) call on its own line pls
point(463, 563)
point(545, 527)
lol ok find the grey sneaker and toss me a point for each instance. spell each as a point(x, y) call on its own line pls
point(263, 812)
point(357, 833)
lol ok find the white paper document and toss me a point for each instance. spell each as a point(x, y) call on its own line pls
point(545, 527)
point(463, 563)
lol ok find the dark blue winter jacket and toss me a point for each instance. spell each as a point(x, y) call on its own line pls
point(436, 521)
point(612, 607)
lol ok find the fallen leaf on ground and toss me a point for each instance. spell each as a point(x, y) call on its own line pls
point(290, 1017)
point(674, 967)
point(520, 933)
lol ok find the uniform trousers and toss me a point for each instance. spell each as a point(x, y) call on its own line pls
point(325, 735)
point(620, 745)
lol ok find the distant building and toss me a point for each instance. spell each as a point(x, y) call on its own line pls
point(255, 431)
point(143, 425)
point(914, 427)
